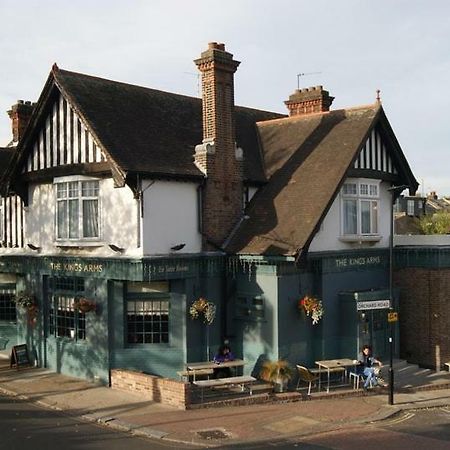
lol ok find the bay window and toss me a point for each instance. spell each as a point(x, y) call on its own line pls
point(77, 210)
point(360, 206)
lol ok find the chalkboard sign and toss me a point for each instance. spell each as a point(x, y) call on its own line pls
point(19, 356)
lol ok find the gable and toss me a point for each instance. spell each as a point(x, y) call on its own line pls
point(307, 160)
point(63, 139)
point(11, 222)
point(375, 156)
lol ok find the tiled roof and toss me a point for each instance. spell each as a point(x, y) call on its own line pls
point(306, 158)
point(150, 131)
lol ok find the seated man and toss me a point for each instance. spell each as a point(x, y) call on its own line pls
point(224, 354)
point(365, 367)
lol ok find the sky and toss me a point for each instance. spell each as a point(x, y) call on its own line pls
point(351, 47)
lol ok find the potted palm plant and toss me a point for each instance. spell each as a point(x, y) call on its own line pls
point(278, 373)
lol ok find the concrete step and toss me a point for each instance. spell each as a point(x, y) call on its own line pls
point(411, 375)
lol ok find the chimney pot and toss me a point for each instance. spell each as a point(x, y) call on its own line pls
point(20, 115)
point(309, 100)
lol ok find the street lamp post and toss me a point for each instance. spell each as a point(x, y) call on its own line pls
point(393, 190)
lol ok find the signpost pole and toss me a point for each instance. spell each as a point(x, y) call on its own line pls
point(392, 190)
point(391, 298)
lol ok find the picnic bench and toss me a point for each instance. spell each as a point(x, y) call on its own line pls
point(244, 381)
point(186, 374)
point(197, 367)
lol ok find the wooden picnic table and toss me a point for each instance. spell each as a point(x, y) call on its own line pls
point(196, 366)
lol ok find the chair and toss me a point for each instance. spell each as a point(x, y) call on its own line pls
point(357, 378)
point(304, 374)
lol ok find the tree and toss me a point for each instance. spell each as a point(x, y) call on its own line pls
point(438, 223)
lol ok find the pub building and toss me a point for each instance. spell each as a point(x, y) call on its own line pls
point(123, 205)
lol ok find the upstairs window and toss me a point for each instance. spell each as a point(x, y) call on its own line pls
point(410, 207)
point(360, 201)
point(77, 210)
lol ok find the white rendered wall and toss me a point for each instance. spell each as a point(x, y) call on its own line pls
point(170, 217)
point(118, 223)
point(327, 239)
point(251, 192)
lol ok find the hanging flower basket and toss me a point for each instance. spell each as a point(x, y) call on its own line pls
point(84, 305)
point(25, 300)
point(204, 309)
point(28, 302)
point(312, 307)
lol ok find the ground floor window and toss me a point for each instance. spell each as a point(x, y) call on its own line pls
point(7, 305)
point(147, 313)
point(64, 319)
point(250, 307)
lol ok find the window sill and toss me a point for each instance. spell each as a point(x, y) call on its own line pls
point(360, 238)
point(78, 244)
point(136, 346)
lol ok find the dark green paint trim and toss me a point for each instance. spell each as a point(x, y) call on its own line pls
point(146, 269)
point(426, 257)
point(352, 260)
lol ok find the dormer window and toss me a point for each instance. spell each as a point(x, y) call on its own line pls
point(77, 209)
point(360, 206)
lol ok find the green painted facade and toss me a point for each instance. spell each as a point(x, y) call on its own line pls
point(256, 300)
point(105, 282)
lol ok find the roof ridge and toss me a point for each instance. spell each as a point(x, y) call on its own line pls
point(374, 106)
point(63, 71)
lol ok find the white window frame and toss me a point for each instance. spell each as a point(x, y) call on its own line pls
point(410, 209)
point(361, 191)
point(80, 239)
point(1, 220)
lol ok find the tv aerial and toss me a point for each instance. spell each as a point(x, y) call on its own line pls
point(304, 74)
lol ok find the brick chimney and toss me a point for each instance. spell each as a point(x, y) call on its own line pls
point(20, 115)
point(217, 157)
point(308, 101)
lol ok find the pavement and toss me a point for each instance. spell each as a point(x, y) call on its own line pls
point(214, 426)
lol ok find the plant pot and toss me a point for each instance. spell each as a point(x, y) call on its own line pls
point(280, 386)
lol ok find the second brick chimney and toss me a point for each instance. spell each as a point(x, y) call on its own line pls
point(309, 100)
point(217, 157)
point(20, 115)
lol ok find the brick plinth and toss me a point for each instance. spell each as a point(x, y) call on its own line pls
point(161, 390)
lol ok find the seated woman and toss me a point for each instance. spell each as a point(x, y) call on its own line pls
point(223, 354)
point(365, 367)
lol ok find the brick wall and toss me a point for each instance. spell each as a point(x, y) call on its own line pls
point(161, 390)
point(424, 315)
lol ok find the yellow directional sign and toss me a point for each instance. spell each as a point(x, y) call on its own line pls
point(392, 317)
